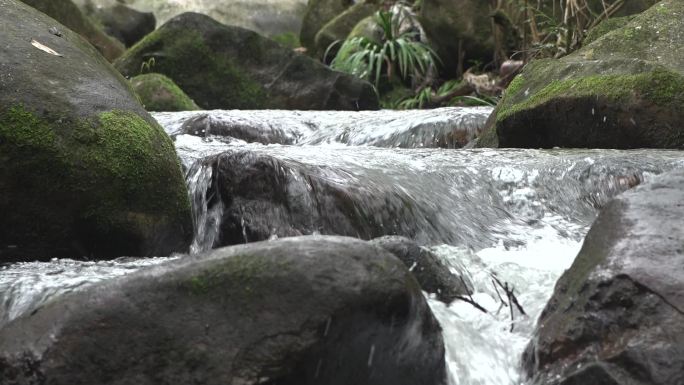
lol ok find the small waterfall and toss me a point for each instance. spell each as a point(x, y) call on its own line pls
point(207, 206)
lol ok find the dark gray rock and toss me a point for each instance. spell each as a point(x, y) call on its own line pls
point(226, 67)
point(305, 311)
point(85, 171)
point(265, 196)
point(433, 275)
point(617, 315)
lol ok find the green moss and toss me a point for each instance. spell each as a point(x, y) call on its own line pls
point(241, 273)
point(159, 93)
point(212, 79)
point(117, 172)
point(661, 87)
point(287, 39)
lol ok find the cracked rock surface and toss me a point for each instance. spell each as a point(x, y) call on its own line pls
point(617, 315)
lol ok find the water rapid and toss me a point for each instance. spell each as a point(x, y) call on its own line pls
point(518, 216)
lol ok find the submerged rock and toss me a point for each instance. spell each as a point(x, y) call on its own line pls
point(85, 170)
point(307, 311)
point(227, 67)
point(159, 93)
point(433, 275)
point(624, 90)
point(124, 23)
point(617, 315)
point(266, 197)
point(450, 127)
point(67, 13)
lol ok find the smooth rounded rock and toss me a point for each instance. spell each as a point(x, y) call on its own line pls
point(86, 172)
point(305, 311)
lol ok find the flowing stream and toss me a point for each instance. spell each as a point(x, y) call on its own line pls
point(518, 214)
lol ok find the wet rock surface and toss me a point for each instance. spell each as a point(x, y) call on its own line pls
point(617, 315)
point(623, 90)
point(225, 67)
point(314, 310)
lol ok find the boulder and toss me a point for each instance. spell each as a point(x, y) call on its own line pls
point(85, 170)
point(616, 316)
point(433, 274)
point(623, 90)
point(337, 29)
point(67, 13)
point(307, 311)
point(460, 31)
point(318, 13)
point(124, 23)
point(223, 67)
point(159, 93)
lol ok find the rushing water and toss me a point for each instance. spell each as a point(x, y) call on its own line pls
point(518, 214)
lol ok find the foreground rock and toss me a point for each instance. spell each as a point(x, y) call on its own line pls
point(85, 170)
point(67, 13)
point(124, 23)
point(617, 315)
point(233, 68)
point(159, 93)
point(624, 90)
point(432, 273)
point(315, 310)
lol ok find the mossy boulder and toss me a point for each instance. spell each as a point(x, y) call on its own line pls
point(318, 14)
point(86, 172)
point(225, 67)
point(305, 311)
point(460, 31)
point(624, 90)
point(616, 316)
point(124, 23)
point(341, 26)
point(67, 13)
point(159, 93)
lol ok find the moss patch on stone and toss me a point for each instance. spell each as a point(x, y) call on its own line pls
point(159, 93)
point(287, 39)
point(605, 27)
point(660, 87)
point(112, 176)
